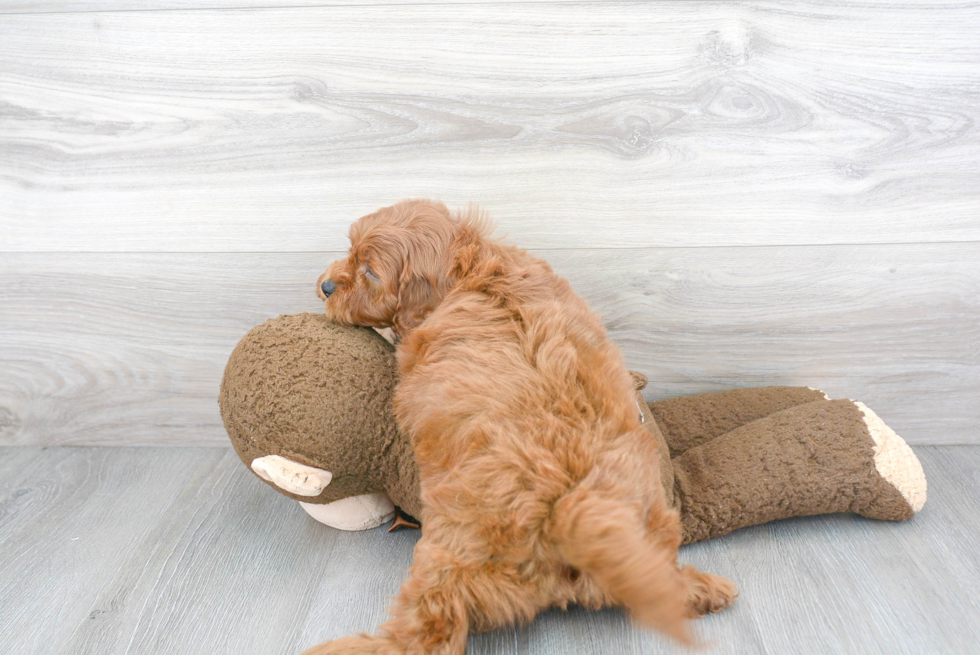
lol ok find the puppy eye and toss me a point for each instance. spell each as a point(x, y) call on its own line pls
point(369, 274)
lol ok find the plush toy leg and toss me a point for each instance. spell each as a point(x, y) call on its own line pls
point(353, 513)
point(822, 457)
point(690, 421)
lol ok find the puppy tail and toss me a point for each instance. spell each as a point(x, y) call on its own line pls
point(606, 539)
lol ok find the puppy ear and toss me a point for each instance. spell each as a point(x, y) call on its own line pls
point(417, 297)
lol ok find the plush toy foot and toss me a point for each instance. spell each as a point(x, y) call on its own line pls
point(821, 457)
point(690, 421)
point(353, 513)
point(898, 467)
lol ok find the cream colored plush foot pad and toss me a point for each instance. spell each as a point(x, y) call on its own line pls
point(895, 460)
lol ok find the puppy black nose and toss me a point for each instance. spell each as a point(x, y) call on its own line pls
point(327, 287)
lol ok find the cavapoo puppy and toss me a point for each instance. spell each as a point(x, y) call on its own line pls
point(539, 484)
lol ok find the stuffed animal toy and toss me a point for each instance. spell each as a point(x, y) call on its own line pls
point(307, 405)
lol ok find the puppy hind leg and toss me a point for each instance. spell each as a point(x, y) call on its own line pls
point(438, 606)
point(604, 538)
point(707, 592)
point(362, 644)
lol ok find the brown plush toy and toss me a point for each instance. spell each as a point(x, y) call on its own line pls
point(307, 405)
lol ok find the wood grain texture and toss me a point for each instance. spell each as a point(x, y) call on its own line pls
point(225, 555)
point(76, 6)
point(79, 6)
point(74, 523)
point(182, 550)
point(579, 125)
point(129, 349)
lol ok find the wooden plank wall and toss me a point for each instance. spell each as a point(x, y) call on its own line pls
point(749, 193)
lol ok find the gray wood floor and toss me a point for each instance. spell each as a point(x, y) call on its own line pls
point(181, 550)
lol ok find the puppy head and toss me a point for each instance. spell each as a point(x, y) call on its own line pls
point(397, 269)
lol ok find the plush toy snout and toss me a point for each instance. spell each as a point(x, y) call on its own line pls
point(353, 513)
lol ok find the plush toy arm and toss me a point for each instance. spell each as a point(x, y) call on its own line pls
point(822, 457)
point(690, 421)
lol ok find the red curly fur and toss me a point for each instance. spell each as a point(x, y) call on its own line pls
point(539, 484)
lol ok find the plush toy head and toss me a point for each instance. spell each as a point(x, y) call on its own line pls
point(307, 405)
